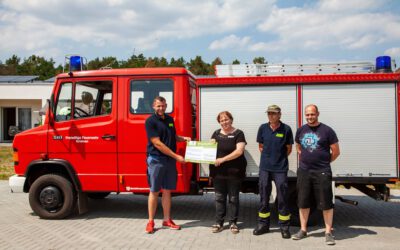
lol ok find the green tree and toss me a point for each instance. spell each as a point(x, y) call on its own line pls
point(259, 60)
point(10, 66)
point(150, 63)
point(163, 62)
point(36, 65)
point(236, 61)
point(217, 61)
point(105, 62)
point(180, 62)
point(135, 61)
point(198, 67)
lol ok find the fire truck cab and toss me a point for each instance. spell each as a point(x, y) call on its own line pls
point(93, 140)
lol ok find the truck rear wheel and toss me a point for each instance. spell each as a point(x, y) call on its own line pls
point(52, 197)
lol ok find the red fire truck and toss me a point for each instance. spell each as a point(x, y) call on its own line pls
point(93, 140)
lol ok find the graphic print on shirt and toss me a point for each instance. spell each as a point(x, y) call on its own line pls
point(310, 141)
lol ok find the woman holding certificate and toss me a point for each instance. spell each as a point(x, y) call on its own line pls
point(228, 171)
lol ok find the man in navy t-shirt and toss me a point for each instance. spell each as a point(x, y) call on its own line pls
point(275, 140)
point(317, 146)
point(161, 161)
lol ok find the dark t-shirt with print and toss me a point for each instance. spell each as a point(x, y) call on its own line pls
point(315, 145)
point(233, 169)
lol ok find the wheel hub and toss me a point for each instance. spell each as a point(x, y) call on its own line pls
point(50, 198)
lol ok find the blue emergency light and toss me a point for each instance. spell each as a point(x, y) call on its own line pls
point(75, 63)
point(383, 64)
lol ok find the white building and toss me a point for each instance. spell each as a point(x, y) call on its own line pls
point(21, 98)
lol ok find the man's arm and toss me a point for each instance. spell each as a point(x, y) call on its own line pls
point(335, 151)
point(166, 150)
point(260, 147)
point(289, 149)
point(235, 154)
point(298, 148)
point(182, 138)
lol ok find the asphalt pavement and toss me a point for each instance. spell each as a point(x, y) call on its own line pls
point(118, 222)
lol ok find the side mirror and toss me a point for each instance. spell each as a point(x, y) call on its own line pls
point(47, 111)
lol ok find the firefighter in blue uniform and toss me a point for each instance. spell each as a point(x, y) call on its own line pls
point(275, 140)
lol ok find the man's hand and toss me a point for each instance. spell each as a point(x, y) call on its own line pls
point(180, 159)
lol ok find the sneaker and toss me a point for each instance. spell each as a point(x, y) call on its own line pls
point(171, 225)
point(150, 227)
point(329, 239)
point(299, 235)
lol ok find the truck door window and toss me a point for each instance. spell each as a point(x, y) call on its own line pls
point(63, 108)
point(143, 93)
point(92, 99)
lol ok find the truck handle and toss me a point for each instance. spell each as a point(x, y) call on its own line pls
point(108, 137)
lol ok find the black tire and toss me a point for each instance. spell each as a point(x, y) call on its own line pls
point(52, 197)
point(98, 195)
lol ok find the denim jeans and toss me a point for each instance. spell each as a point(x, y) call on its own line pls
point(227, 188)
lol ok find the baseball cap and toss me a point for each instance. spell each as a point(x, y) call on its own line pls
point(273, 108)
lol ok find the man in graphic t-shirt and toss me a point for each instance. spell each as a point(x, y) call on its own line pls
point(317, 146)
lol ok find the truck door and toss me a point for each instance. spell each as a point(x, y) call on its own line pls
point(139, 93)
point(84, 131)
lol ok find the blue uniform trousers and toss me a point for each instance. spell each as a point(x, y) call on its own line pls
point(282, 189)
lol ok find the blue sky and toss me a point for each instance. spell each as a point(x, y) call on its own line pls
point(280, 31)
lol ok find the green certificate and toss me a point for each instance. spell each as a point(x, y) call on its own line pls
point(201, 152)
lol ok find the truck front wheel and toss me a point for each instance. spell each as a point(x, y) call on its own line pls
point(52, 197)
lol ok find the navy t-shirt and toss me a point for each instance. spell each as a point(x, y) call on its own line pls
point(274, 154)
point(156, 126)
point(315, 145)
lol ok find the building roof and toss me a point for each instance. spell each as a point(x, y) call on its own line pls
point(50, 79)
point(17, 79)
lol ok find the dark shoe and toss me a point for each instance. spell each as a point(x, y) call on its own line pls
point(299, 235)
point(260, 229)
point(150, 227)
point(329, 239)
point(285, 233)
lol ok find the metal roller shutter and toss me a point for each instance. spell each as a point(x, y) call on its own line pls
point(247, 105)
point(364, 118)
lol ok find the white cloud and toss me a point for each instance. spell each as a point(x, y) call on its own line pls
point(351, 24)
point(230, 42)
point(349, 5)
point(123, 23)
point(393, 52)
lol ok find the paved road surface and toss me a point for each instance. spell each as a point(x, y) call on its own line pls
point(118, 222)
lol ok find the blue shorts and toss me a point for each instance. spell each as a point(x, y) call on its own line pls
point(161, 173)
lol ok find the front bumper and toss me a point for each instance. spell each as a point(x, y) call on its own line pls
point(16, 183)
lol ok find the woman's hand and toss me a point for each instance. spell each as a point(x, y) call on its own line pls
point(219, 161)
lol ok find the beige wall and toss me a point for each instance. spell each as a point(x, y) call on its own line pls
point(35, 106)
point(24, 95)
